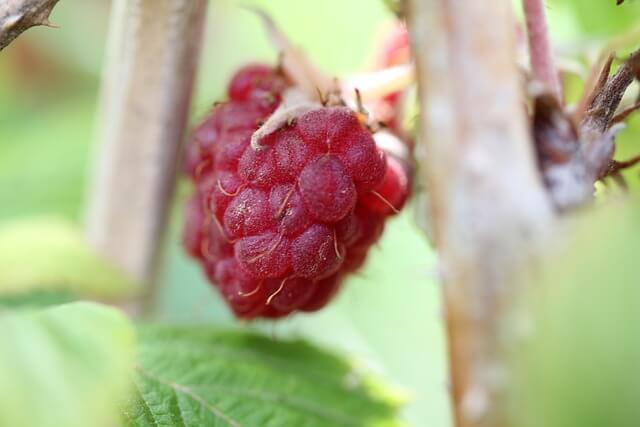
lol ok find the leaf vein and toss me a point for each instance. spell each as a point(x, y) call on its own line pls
point(182, 420)
point(193, 395)
point(302, 405)
point(145, 405)
point(282, 365)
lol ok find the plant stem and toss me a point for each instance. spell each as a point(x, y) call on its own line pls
point(542, 63)
point(488, 208)
point(17, 16)
point(146, 92)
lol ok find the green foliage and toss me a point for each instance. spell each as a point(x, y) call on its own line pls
point(599, 18)
point(43, 149)
point(397, 280)
point(580, 368)
point(581, 22)
point(66, 366)
point(50, 254)
point(37, 298)
point(201, 376)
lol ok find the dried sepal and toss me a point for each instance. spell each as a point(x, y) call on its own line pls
point(294, 104)
point(558, 148)
point(320, 86)
point(605, 98)
point(625, 113)
point(296, 65)
point(576, 151)
point(594, 83)
point(615, 167)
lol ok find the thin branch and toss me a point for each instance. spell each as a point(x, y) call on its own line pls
point(151, 64)
point(17, 16)
point(488, 208)
point(542, 63)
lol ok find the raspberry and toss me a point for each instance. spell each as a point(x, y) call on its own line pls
point(391, 192)
point(327, 189)
point(277, 227)
point(395, 51)
point(257, 82)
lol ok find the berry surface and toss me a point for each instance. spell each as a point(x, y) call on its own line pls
point(277, 227)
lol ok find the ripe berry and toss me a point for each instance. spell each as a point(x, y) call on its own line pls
point(255, 81)
point(391, 192)
point(278, 226)
point(394, 51)
point(327, 189)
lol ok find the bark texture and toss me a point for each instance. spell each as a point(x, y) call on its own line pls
point(489, 210)
point(17, 16)
point(151, 64)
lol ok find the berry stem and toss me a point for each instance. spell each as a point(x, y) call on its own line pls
point(150, 68)
point(540, 52)
point(17, 16)
point(477, 165)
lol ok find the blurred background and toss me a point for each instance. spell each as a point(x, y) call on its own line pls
point(388, 317)
point(49, 81)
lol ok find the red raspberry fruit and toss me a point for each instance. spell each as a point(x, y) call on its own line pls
point(278, 226)
point(394, 51)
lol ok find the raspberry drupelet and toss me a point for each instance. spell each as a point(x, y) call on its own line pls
point(277, 226)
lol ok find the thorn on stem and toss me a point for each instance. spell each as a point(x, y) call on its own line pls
point(18, 16)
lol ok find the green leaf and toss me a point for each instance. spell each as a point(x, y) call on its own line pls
point(65, 366)
point(37, 299)
point(45, 137)
point(200, 376)
point(51, 254)
point(579, 367)
point(401, 264)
